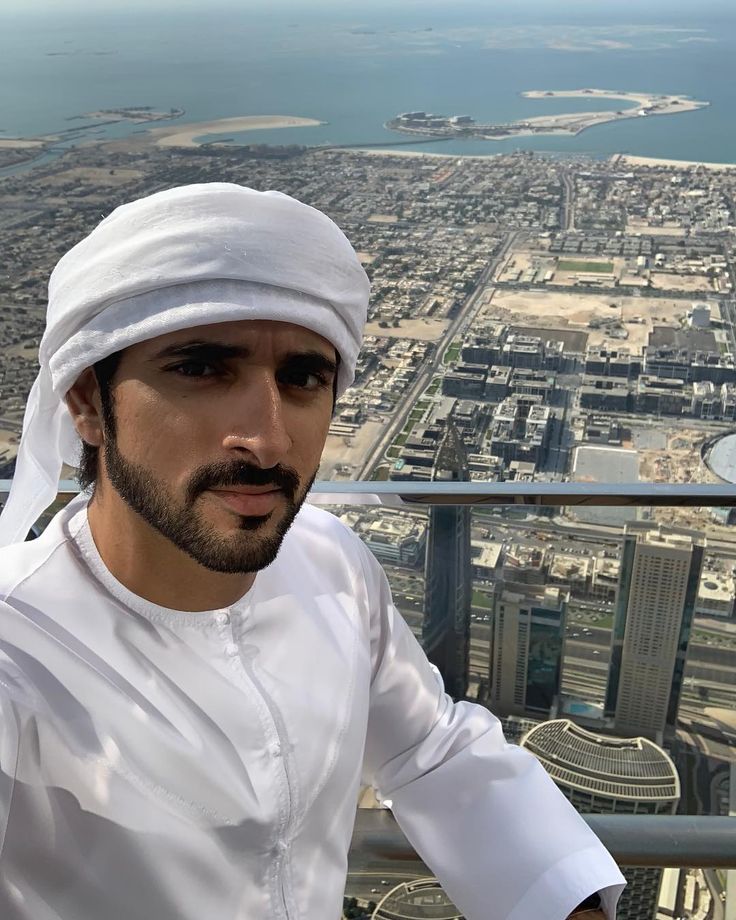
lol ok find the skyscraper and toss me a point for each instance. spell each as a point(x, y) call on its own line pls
point(658, 587)
point(526, 648)
point(448, 579)
point(605, 775)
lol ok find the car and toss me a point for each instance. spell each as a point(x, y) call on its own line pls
point(596, 652)
point(384, 882)
point(374, 890)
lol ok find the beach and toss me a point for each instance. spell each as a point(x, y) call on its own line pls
point(184, 135)
point(676, 164)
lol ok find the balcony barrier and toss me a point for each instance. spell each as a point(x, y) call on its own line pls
point(676, 841)
point(672, 841)
point(594, 494)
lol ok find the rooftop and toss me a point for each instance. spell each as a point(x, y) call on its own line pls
point(621, 768)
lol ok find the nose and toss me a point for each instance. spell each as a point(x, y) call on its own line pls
point(258, 427)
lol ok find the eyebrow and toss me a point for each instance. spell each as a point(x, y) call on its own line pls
point(223, 351)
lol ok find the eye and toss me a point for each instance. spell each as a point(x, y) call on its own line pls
point(298, 377)
point(193, 369)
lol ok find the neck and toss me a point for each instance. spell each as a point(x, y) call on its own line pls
point(151, 566)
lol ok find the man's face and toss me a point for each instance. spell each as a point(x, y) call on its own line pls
point(201, 416)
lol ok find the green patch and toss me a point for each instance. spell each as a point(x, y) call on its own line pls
point(481, 600)
point(381, 473)
point(593, 268)
point(451, 354)
point(393, 452)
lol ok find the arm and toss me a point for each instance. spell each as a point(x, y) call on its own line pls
point(483, 814)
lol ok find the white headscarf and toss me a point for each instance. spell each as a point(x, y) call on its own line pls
point(188, 256)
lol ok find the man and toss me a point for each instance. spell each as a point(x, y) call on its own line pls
point(197, 669)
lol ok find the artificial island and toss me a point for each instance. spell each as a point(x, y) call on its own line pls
point(570, 123)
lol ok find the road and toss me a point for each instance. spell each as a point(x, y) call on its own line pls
point(464, 319)
point(567, 220)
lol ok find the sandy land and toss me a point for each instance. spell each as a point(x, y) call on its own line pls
point(574, 311)
point(184, 135)
point(92, 175)
point(633, 226)
point(669, 281)
point(677, 164)
point(615, 159)
point(429, 330)
point(337, 451)
point(8, 444)
point(19, 143)
point(388, 152)
point(639, 98)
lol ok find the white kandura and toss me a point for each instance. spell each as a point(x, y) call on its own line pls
point(164, 765)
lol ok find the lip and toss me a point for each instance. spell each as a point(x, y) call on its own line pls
point(248, 503)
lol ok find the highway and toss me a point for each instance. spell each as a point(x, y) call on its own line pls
point(464, 319)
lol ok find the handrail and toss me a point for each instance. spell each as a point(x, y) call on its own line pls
point(597, 494)
point(676, 841)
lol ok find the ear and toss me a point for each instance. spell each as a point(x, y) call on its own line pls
point(83, 402)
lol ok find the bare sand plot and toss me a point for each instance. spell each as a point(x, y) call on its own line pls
point(184, 135)
point(615, 320)
point(429, 330)
point(669, 281)
point(337, 451)
point(679, 462)
point(640, 226)
point(8, 444)
point(92, 175)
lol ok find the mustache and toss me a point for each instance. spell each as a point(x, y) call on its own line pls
point(240, 473)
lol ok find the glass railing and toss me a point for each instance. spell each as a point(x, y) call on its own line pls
point(559, 581)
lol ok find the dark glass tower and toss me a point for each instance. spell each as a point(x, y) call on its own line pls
point(448, 581)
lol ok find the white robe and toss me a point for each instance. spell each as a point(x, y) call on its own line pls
point(164, 765)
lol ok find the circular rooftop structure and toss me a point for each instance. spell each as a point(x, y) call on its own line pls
point(721, 458)
point(602, 766)
point(419, 899)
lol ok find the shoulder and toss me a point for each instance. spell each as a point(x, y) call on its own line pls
point(321, 536)
point(22, 561)
point(316, 521)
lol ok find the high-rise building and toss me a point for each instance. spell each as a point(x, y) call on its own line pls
point(658, 589)
point(526, 648)
point(448, 578)
point(606, 775)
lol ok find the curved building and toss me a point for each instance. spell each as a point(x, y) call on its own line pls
point(608, 775)
point(419, 899)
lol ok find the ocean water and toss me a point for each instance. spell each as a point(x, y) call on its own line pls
point(355, 66)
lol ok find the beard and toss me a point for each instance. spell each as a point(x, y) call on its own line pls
point(238, 552)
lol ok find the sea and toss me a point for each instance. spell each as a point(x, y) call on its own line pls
point(355, 65)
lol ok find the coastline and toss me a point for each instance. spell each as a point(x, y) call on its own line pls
point(658, 161)
point(184, 135)
point(612, 158)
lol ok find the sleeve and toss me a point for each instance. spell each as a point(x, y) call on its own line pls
point(483, 814)
point(9, 748)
